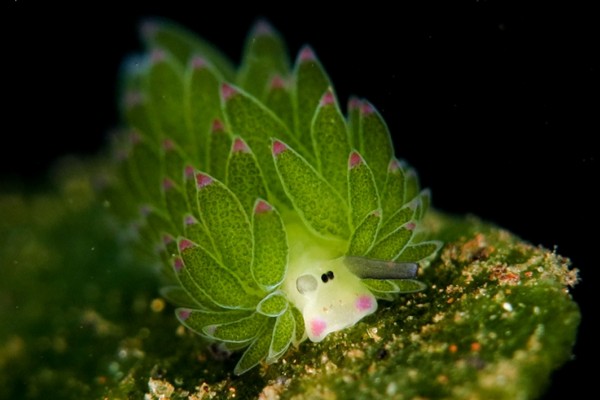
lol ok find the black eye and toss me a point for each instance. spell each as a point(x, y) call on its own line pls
point(327, 276)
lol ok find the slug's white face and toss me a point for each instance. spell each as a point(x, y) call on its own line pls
point(329, 296)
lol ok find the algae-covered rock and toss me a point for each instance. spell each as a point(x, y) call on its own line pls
point(81, 318)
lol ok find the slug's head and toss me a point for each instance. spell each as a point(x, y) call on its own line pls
point(331, 298)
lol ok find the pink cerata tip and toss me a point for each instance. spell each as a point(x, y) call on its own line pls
point(278, 147)
point(198, 62)
point(227, 91)
point(327, 98)
point(366, 108)
point(217, 125)
point(157, 56)
point(354, 103)
point(184, 314)
point(239, 146)
point(354, 160)
point(167, 184)
point(262, 207)
point(178, 264)
point(185, 244)
point(203, 180)
point(277, 82)
point(307, 54)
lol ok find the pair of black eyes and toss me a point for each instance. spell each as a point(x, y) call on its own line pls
point(327, 276)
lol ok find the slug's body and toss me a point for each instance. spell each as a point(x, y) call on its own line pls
point(276, 218)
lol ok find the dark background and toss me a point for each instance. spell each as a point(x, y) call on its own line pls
point(495, 106)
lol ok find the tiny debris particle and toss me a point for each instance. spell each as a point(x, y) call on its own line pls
point(157, 305)
point(505, 275)
point(438, 317)
point(270, 392)
point(330, 367)
point(391, 389)
point(412, 374)
point(372, 332)
point(414, 337)
point(232, 391)
point(160, 389)
point(310, 370)
point(355, 353)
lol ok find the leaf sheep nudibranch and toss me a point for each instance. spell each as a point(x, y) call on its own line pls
point(275, 217)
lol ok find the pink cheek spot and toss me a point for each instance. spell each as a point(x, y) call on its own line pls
point(317, 327)
point(364, 303)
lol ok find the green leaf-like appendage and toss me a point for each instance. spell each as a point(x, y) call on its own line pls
point(313, 197)
point(270, 246)
point(254, 187)
point(362, 191)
